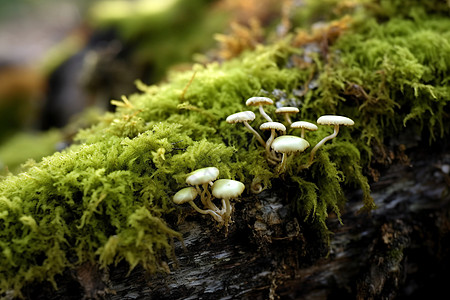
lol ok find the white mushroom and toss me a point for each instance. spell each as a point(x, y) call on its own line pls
point(188, 195)
point(287, 111)
point(260, 101)
point(303, 125)
point(272, 126)
point(330, 120)
point(203, 177)
point(245, 117)
point(227, 189)
point(287, 144)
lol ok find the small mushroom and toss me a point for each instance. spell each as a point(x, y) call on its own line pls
point(188, 195)
point(203, 177)
point(304, 126)
point(330, 120)
point(287, 111)
point(272, 126)
point(288, 144)
point(227, 189)
point(245, 117)
point(260, 101)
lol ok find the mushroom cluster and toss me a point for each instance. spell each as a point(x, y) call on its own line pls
point(222, 189)
point(279, 145)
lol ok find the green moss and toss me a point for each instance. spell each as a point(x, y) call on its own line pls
point(388, 75)
point(107, 198)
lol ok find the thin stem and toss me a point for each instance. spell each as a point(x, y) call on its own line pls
point(224, 208)
point(272, 161)
point(227, 215)
point(275, 156)
point(207, 198)
point(216, 217)
point(319, 144)
point(202, 199)
point(302, 134)
point(258, 137)
point(263, 113)
point(228, 208)
point(269, 142)
point(283, 163)
point(271, 156)
point(288, 119)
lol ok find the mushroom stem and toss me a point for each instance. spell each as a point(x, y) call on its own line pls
point(227, 214)
point(258, 137)
point(283, 163)
point(319, 144)
point(288, 119)
point(270, 154)
point(272, 161)
point(263, 113)
point(228, 208)
point(202, 198)
point(216, 216)
point(302, 134)
point(206, 195)
point(269, 142)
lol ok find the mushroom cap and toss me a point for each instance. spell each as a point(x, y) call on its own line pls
point(256, 101)
point(305, 125)
point(202, 176)
point(289, 144)
point(243, 116)
point(185, 195)
point(335, 120)
point(272, 125)
point(287, 110)
point(227, 188)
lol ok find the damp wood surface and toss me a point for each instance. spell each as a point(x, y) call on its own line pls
point(398, 251)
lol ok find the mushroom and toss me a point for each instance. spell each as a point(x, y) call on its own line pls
point(286, 111)
point(260, 101)
point(330, 120)
point(227, 189)
point(188, 195)
point(203, 177)
point(245, 117)
point(287, 144)
point(272, 126)
point(304, 126)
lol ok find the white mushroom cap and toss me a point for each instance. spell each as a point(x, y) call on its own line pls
point(289, 144)
point(305, 125)
point(185, 195)
point(272, 125)
point(227, 188)
point(202, 176)
point(239, 117)
point(287, 110)
point(256, 101)
point(334, 120)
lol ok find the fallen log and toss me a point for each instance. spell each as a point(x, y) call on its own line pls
point(397, 251)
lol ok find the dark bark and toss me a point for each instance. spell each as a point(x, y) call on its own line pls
point(398, 251)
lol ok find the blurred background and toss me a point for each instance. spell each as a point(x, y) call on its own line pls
point(63, 61)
